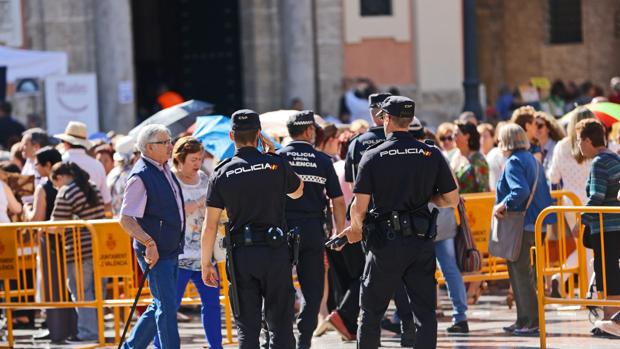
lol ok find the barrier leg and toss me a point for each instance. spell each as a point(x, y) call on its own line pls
point(116, 295)
point(540, 281)
point(9, 328)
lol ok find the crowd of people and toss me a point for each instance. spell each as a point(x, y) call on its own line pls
point(521, 158)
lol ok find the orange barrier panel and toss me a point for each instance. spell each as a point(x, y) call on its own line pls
point(543, 264)
point(479, 209)
point(47, 248)
point(39, 247)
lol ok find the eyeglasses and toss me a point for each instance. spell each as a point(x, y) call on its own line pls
point(166, 142)
point(446, 138)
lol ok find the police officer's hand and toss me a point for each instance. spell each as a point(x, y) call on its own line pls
point(268, 146)
point(336, 247)
point(209, 275)
point(352, 235)
point(151, 255)
point(499, 210)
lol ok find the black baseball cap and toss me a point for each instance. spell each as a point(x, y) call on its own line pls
point(245, 120)
point(399, 106)
point(302, 118)
point(375, 99)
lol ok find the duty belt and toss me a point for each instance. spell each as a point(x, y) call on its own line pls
point(403, 224)
point(272, 236)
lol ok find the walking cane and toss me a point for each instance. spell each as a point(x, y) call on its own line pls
point(133, 307)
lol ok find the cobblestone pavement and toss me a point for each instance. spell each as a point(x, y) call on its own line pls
point(568, 327)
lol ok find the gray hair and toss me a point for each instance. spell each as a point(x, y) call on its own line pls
point(147, 134)
point(512, 137)
point(37, 136)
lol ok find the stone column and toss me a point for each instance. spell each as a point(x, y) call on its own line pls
point(115, 65)
point(329, 44)
point(63, 26)
point(298, 51)
point(260, 47)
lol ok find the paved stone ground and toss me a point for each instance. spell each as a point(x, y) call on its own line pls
point(567, 328)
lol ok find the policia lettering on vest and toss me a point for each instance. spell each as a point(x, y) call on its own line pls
point(399, 229)
point(252, 187)
point(308, 214)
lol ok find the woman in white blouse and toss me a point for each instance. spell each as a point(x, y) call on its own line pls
point(570, 169)
point(568, 166)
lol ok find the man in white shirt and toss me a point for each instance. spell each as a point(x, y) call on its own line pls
point(76, 144)
point(32, 140)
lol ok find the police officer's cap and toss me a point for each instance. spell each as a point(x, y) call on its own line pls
point(375, 99)
point(416, 128)
point(399, 106)
point(245, 120)
point(302, 118)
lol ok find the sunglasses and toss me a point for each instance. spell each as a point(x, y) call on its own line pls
point(446, 138)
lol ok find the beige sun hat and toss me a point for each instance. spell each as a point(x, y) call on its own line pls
point(76, 134)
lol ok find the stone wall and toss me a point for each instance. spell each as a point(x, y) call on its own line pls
point(96, 35)
point(513, 48)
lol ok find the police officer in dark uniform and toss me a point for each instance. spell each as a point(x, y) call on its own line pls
point(347, 265)
point(252, 187)
point(307, 213)
point(360, 143)
point(400, 176)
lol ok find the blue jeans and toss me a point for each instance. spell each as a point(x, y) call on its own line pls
point(446, 256)
point(87, 317)
point(210, 310)
point(160, 318)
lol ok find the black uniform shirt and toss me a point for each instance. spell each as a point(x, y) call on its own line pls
point(357, 148)
point(317, 171)
point(252, 187)
point(401, 174)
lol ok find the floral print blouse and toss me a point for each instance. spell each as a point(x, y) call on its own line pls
point(472, 173)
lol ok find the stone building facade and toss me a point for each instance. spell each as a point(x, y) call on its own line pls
point(288, 49)
point(514, 43)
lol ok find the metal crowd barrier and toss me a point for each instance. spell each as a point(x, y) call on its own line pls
point(479, 209)
point(543, 268)
point(39, 249)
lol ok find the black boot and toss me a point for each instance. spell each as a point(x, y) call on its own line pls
point(459, 327)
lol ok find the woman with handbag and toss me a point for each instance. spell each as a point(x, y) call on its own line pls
point(522, 193)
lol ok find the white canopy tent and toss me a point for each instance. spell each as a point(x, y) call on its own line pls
point(32, 64)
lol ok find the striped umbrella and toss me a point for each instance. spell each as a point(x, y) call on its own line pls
point(608, 113)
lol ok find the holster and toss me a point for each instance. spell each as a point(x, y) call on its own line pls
point(294, 241)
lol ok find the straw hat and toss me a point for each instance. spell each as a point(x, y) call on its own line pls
point(76, 134)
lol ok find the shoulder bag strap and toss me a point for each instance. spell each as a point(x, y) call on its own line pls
point(529, 201)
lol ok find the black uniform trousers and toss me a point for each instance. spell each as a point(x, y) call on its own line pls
point(348, 266)
point(264, 273)
point(310, 273)
point(403, 260)
point(403, 310)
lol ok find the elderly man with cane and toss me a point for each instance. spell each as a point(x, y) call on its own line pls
point(153, 215)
